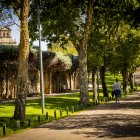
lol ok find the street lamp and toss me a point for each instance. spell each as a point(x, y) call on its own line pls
point(41, 63)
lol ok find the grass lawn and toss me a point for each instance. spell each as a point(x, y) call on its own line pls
point(33, 108)
point(110, 79)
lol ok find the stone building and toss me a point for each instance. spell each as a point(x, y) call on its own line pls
point(61, 74)
point(5, 37)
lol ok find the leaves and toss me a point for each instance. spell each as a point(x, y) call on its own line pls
point(127, 51)
point(7, 17)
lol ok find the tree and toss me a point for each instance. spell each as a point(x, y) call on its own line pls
point(101, 39)
point(22, 88)
point(76, 18)
point(73, 15)
point(108, 16)
point(68, 48)
point(7, 17)
point(126, 55)
point(95, 57)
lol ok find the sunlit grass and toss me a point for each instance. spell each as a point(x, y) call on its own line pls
point(110, 79)
point(34, 109)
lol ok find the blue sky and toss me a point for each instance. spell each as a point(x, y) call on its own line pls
point(15, 31)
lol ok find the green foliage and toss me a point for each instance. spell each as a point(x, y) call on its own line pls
point(13, 5)
point(107, 17)
point(64, 20)
point(110, 79)
point(64, 59)
point(8, 48)
point(9, 53)
point(133, 15)
point(7, 13)
point(126, 55)
point(34, 49)
point(95, 49)
point(67, 49)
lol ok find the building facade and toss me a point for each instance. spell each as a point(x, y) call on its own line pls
point(5, 37)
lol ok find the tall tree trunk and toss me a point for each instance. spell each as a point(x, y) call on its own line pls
point(22, 88)
point(125, 81)
point(84, 96)
point(7, 83)
point(102, 76)
point(88, 78)
point(131, 81)
point(94, 84)
point(1, 80)
point(70, 80)
point(50, 81)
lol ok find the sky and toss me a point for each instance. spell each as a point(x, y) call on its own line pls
point(15, 32)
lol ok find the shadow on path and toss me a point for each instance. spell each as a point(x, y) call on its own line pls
point(108, 120)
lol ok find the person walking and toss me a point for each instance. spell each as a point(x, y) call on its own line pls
point(117, 90)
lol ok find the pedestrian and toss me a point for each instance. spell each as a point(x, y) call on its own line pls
point(117, 90)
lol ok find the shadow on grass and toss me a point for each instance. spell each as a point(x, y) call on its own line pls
point(10, 124)
point(52, 103)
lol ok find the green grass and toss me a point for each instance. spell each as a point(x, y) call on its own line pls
point(110, 79)
point(33, 108)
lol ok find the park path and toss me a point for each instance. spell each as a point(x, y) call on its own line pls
point(103, 122)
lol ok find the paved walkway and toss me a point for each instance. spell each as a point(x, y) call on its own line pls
point(104, 122)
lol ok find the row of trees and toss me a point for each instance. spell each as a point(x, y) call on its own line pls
point(94, 27)
point(120, 55)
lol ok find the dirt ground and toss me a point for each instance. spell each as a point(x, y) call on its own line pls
point(104, 122)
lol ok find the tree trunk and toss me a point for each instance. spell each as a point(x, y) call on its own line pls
point(125, 81)
point(84, 96)
point(70, 81)
point(7, 84)
point(94, 84)
point(50, 81)
point(131, 81)
point(88, 78)
point(22, 85)
point(1, 80)
point(102, 76)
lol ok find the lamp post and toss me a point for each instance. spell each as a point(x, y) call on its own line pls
point(41, 63)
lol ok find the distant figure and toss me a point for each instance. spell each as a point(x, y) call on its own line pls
point(117, 90)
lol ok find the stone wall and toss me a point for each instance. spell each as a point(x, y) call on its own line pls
point(54, 82)
point(58, 76)
point(8, 83)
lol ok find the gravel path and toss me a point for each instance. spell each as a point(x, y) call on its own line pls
point(104, 122)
